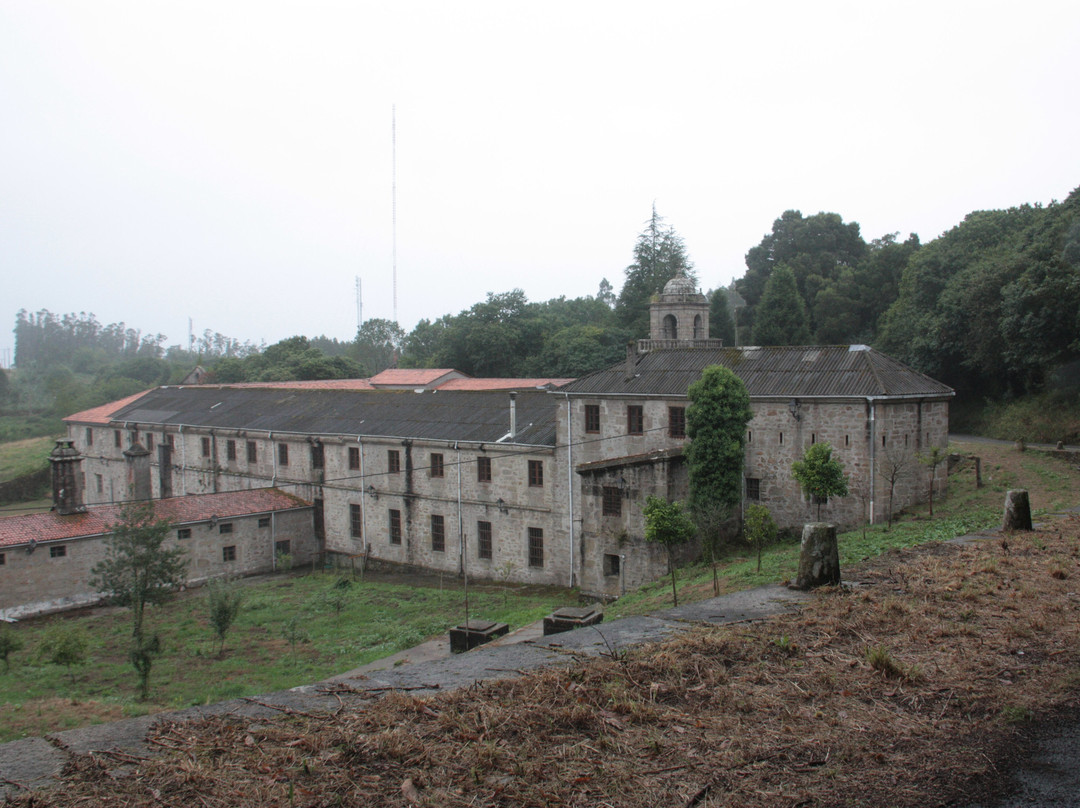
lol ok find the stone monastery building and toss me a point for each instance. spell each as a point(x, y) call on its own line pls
point(531, 480)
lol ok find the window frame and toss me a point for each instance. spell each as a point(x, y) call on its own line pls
point(436, 466)
point(354, 458)
point(753, 488)
point(635, 419)
point(228, 553)
point(183, 533)
point(225, 528)
point(536, 547)
point(484, 544)
point(676, 422)
point(230, 450)
point(438, 533)
point(356, 521)
point(252, 452)
point(483, 469)
point(318, 455)
point(611, 504)
point(393, 461)
point(58, 551)
point(592, 419)
point(283, 454)
point(394, 517)
point(536, 474)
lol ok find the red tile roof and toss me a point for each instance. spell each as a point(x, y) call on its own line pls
point(103, 414)
point(500, 384)
point(51, 526)
point(418, 377)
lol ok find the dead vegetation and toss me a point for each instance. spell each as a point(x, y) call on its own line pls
point(909, 689)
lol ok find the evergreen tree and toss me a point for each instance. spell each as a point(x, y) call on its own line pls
point(781, 315)
point(659, 256)
point(721, 321)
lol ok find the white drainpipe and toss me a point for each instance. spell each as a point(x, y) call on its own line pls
point(570, 483)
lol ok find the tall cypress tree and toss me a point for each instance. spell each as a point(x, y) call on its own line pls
point(659, 255)
point(781, 315)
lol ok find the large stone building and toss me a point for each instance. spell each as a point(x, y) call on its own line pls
point(529, 480)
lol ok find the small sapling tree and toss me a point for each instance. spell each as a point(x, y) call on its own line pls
point(667, 523)
point(10, 642)
point(759, 528)
point(932, 459)
point(716, 426)
point(139, 570)
point(819, 475)
point(224, 600)
point(63, 646)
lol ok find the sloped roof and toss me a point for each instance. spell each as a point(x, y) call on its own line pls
point(51, 526)
point(476, 416)
point(414, 377)
point(502, 384)
point(103, 414)
point(825, 371)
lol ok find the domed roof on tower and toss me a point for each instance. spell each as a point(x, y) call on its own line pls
point(680, 285)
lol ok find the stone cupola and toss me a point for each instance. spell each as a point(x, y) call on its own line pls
point(678, 318)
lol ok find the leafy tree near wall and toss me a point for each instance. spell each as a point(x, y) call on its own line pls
point(659, 255)
point(820, 477)
point(668, 524)
point(378, 344)
point(716, 426)
point(781, 315)
point(759, 528)
point(139, 570)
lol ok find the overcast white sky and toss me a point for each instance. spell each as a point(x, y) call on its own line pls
point(231, 161)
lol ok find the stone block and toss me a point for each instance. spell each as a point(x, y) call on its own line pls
point(570, 617)
point(468, 635)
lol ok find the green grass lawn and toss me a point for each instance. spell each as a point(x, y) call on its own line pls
point(24, 456)
point(293, 630)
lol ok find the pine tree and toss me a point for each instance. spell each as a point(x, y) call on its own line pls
point(781, 315)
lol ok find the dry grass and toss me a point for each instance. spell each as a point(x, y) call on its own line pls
point(909, 690)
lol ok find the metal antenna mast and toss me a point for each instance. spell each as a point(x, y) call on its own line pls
point(359, 306)
point(393, 144)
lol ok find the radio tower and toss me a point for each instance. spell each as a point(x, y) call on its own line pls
point(393, 196)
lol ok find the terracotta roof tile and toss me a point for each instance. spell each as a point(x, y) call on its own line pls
point(103, 414)
point(419, 377)
point(317, 384)
point(51, 526)
point(501, 384)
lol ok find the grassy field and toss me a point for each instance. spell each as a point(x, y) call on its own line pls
point(24, 457)
point(294, 629)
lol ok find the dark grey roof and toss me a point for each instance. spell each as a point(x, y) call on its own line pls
point(482, 417)
point(829, 371)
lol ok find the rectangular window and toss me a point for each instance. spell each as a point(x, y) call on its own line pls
point(283, 454)
point(395, 526)
point(228, 553)
point(150, 441)
point(252, 452)
point(183, 533)
point(230, 450)
point(592, 417)
point(319, 518)
point(436, 469)
point(225, 528)
point(89, 436)
point(100, 481)
point(438, 533)
point(116, 438)
point(169, 441)
point(635, 419)
point(57, 551)
point(354, 458)
point(677, 422)
point(483, 469)
point(483, 540)
point(536, 473)
point(318, 459)
point(612, 564)
point(356, 529)
point(283, 547)
point(753, 488)
point(3, 559)
point(536, 547)
point(612, 501)
point(264, 521)
point(206, 447)
point(393, 461)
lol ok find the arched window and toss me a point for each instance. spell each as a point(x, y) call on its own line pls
point(697, 327)
point(671, 327)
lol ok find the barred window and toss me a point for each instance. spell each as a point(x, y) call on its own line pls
point(283, 454)
point(395, 526)
point(252, 451)
point(483, 469)
point(635, 419)
point(206, 447)
point(230, 450)
point(612, 501)
point(436, 468)
point(393, 461)
point(536, 473)
point(355, 521)
point(228, 553)
point(483, 540)
point(318, 457)
point(753, 488)
point(438, 533)
point(536, 547)
point(354, 458)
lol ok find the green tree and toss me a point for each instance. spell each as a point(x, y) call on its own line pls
point(819, 475)
point(781, 315)
point(759, 528)
point(932, 459)
point(721, 321)
point(224, 600)
point(378, 344)
point(716, 426)
point(139, 570)
point(659, 256)
point(669, 524)
point(63, 646)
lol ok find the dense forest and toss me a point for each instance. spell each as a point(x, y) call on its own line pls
point(991, 307)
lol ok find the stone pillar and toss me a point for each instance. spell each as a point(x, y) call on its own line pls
point(819, 557)
point(138, 472)
point(1017, 511)
point(67, 478)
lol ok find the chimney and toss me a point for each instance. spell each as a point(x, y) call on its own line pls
point(513, 416)
point(631, 359)
point(165, 469)
point(67, 478)
point(138, 471)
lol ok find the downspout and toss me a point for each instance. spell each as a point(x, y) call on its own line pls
point(273, 456)
point(183, 460)
point(273, 540)
point(570, 485)
point(363, 501)
point(460, 525)
point(873, 456)
point(513, 416)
